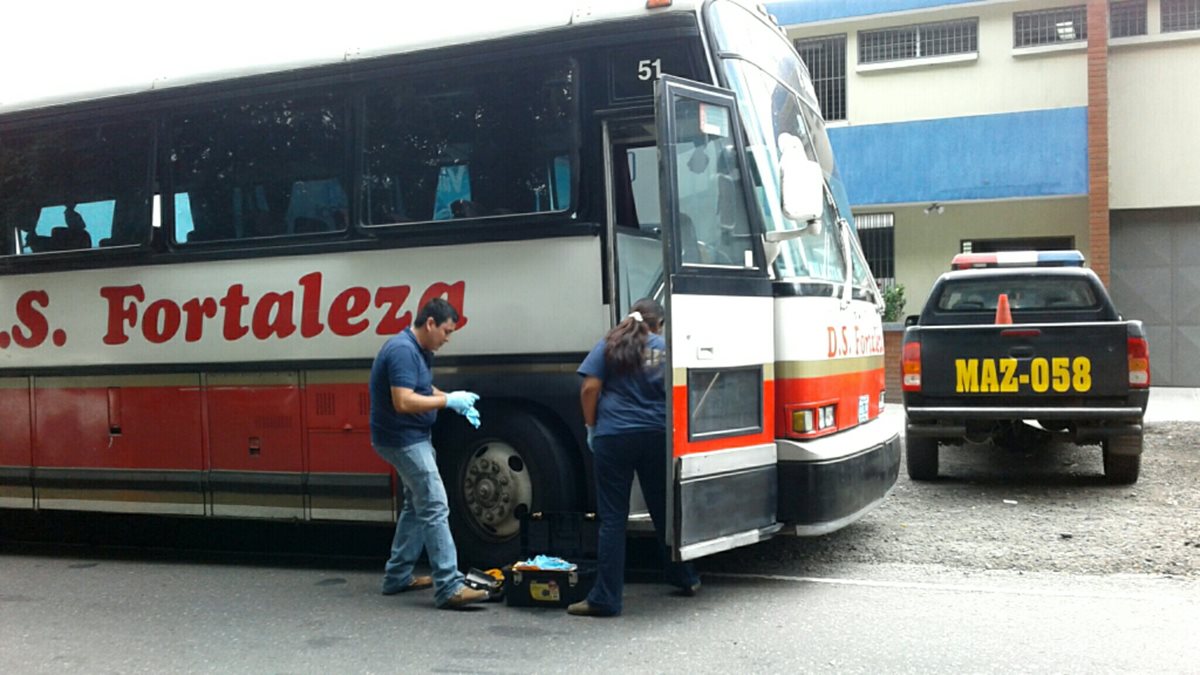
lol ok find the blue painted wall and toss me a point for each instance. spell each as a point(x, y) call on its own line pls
point(1027, 154)
point(792, 12)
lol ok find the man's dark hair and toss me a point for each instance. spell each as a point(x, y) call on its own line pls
point(440, 310)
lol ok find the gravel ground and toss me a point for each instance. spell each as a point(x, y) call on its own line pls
point(1047, 510)
point(991, 510)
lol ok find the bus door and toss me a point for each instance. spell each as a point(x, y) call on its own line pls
point(722, 478)
point(636, 249)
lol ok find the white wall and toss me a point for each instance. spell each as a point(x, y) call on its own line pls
point(997, 81)
point(1154, 123)
point(925, 243)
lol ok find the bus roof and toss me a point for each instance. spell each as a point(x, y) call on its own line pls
point(99, 50)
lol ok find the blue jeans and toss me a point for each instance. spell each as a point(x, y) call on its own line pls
point(423, 524)
point(616, 459)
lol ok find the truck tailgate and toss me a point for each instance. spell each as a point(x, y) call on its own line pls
point(1025, 360)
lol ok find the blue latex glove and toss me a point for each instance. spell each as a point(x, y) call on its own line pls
point(591, 432)
point(546, 562)
point(461, 401)
point(472, 416)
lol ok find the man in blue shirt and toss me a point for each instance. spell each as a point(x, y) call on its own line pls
point(404, 405)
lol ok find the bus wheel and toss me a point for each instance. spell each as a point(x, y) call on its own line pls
point(921, 455)
point(509, 466)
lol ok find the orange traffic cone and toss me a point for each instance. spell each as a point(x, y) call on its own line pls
point(1003, 314)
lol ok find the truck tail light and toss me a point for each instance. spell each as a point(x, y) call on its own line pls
point(910, 367)
point(1139, 362)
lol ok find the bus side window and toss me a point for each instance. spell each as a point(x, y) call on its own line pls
point(260, 169)
point(444, 150)
point(75, 189)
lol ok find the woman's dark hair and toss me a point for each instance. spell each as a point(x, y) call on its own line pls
point(439, 309)
point(625, 344)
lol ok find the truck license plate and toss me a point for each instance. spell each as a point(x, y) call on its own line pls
point(1039, 375)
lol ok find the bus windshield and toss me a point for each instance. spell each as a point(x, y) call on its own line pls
point(776, 98)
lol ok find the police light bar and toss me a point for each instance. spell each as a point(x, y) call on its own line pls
point(966, 261)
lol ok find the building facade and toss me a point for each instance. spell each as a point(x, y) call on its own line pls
point(986, 125)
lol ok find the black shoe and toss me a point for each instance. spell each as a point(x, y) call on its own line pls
point(691, 590)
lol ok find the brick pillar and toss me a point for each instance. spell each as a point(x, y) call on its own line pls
point(1097, 131)
point(893, 340)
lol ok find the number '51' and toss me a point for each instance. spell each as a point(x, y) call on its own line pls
point(649, 70)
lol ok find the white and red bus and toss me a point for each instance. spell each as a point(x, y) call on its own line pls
point(197, 268)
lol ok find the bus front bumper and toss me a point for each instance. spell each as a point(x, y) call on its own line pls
point(828, 483)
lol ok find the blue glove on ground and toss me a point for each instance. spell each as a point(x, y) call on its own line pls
point(472, 416)
point(591, 431)
point(461, 401)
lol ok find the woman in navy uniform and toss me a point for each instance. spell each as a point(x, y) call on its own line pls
point(624, 406)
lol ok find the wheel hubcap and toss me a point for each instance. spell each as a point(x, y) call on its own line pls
point(495, 485)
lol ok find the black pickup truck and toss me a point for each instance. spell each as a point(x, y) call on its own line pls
point(1011, 347)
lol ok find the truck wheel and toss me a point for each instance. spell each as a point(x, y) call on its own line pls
point(1122, 459)
point(512, 464)
point(921, 455)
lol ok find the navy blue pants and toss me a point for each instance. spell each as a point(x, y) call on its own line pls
point(616, 459)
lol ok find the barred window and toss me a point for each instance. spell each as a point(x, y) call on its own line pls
point(876, 233)
point(918, 41)
point(1126, 18)
point(826, 61)
point(1180, 15)
point(1050, 26)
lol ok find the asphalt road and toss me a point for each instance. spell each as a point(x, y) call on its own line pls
point(64, 615)
point(1019, 561)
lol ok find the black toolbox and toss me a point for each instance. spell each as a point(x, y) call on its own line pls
point(569, 535)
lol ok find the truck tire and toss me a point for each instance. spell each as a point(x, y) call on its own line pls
point(1122, 459)
point(921, 457)
point(512, 464)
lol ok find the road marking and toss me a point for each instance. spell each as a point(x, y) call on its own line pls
point(948, 588)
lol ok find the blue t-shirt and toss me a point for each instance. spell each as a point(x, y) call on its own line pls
point(633, 401)
point(401, 362)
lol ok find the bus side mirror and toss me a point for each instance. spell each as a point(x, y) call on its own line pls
point(773, 242)
point(802, 183)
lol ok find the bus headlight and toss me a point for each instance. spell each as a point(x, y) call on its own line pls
point(809, 420)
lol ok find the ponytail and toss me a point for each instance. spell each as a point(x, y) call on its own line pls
point(625, 344)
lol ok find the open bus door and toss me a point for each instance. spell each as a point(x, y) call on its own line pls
point(722, 478)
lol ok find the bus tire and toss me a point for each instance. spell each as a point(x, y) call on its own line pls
point(921, 457)
point(1122, 459)
point(512, 464)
